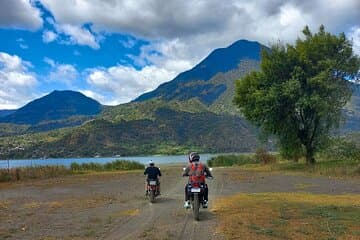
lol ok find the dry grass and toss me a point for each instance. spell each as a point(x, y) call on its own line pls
point(289, 216)
point(32, 205)
point(4, 204)
point(128, 212)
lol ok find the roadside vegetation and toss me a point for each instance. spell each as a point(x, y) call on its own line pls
point(111, 166)
point(42, 172)
point(299, 93)
point(289, 216)
point(340, 158)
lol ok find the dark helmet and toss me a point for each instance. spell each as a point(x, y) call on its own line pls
point(194, 157)
point(151, 163)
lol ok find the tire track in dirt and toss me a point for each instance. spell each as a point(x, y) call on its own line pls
point(166, 218)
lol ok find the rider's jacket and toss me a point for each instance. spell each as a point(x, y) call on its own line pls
point(152, 172)
point(197, 172)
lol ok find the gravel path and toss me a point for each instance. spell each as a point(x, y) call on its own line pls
point(112, 205)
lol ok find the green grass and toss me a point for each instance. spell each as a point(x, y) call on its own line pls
point(326, 166)
point(38, 172)
point(42, 172)
point(111, 166)
point(232, 160)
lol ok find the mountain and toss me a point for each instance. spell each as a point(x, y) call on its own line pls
point(202, 81)
point(352, 112)
point(165, 131)
point(6, 112)
point(192, 112)
point(58, 105)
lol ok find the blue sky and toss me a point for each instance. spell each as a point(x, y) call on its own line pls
point(115, 50)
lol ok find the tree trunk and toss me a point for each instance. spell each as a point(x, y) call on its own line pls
point(310, 160)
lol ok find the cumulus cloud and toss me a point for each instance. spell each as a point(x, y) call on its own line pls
point(96, 96)
point(182, 19)
point(17, 83)
point(354, 35)
point(22, 43)
point(129, 42)
point(77, 35)
point(125, 83)
point(182, 33)
point(19, 14)
point(49, 36)
point(61, 73)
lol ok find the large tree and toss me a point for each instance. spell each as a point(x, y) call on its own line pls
point(300, 90)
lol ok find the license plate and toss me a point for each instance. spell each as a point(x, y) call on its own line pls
point(152, 182)
point(195, 190)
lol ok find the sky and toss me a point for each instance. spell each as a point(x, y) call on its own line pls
point(115, 50)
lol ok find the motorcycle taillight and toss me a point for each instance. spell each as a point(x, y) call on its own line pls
point(196, 185)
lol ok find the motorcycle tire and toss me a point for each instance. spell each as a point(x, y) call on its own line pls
point(152, 196)
point(196, 207)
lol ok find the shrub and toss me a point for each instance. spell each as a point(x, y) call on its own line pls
point(110, 166)
point(341, 149)
point(264, 156)
point(23, 173)
point(231, 160)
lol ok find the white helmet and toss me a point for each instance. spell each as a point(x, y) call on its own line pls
point(151, 163)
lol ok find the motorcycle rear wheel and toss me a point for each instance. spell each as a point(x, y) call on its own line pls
point(152, 196)
point(196, 207)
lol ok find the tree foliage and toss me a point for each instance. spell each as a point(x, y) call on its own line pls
point(300, 90)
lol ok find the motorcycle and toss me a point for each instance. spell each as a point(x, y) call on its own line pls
point(152, 190)
point(196, 191)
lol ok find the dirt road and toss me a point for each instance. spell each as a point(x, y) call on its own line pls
point(113, 206)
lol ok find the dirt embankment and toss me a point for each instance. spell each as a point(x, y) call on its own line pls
point(113, 206)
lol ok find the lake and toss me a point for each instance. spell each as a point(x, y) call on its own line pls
point(67, 161)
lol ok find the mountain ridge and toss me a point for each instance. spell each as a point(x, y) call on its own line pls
point(220, 60)
point(57, 105)
point(185, 114)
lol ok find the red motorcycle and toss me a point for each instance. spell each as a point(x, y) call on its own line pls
point(196, 191)
point(152, 190)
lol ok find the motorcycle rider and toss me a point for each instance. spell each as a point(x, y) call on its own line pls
point(153, 173)
point(196, 171)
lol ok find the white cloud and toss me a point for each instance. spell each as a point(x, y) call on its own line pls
point(354, 35)
point(181, 33)
point(78, 35)
point(23, 46)
point(17, 83)
point(129, 42)
point(96, 96)
point(71, 35)
point(62, 73)
point(19, 14)
point(126, 83)
point(49, 36)
point(49, 61)
point(183, 19)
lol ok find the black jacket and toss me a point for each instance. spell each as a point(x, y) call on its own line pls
point(152, 172)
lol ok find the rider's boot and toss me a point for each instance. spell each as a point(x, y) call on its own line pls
point(158, 190)
point(205, 204)
point(187, 204)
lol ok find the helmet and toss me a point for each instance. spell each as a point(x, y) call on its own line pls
point(151, 163)
point(194, 157)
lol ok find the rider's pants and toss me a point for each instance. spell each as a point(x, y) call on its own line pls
point(187, 192)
